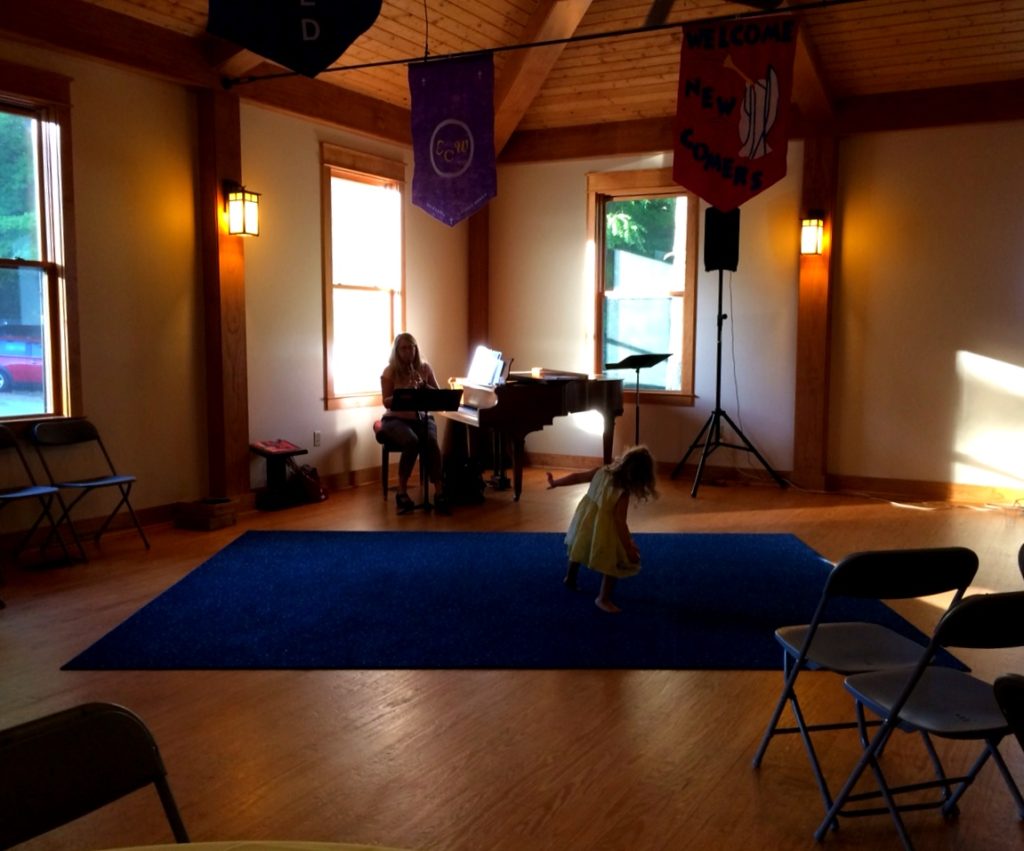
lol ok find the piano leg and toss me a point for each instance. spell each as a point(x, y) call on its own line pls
point(518, 453)
point(609, 436)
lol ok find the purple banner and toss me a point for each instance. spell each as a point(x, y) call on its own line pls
point(453, 136)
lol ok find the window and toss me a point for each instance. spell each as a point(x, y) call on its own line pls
point(35, 271)
point(645, 233)
point(364, 270)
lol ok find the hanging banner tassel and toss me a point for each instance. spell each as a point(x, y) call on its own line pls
point(732, 111)
point(453, 136)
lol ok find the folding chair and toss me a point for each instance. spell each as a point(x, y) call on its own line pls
point(22, 486)
point(846, 647)
point(1009, 691)
point(938, 702)
point(60, 767)
point(54, 437)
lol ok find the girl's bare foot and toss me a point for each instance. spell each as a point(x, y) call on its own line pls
point(570, 583)
point(607, 606)
point(551, 481)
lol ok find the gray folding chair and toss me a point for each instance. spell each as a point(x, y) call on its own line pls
point(53, 440)
point(21, 487)
point(850, 647)
point(938, 702)
point(60, 767)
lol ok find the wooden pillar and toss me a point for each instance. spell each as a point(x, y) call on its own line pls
point(478, 298)
point(813, 342)
point(223, 271)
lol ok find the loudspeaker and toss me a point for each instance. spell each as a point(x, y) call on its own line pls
point(721, 239)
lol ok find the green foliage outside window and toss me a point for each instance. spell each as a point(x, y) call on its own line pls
point(19, 203)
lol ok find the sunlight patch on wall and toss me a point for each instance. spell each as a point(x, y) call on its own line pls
point(589, 422)
point(989, 438)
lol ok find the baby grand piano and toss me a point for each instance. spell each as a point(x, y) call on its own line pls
point(517, 403)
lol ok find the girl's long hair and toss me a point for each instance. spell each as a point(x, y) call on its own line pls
point(633, 472)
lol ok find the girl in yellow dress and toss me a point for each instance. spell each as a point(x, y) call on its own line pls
point(598, 535)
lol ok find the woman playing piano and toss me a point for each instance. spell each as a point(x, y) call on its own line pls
point(411, 430)
point(598, 535)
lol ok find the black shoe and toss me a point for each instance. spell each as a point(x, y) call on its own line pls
point(441, 504)
point(405, 505)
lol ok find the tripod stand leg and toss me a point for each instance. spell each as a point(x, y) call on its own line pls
point(710, 445)
point(696, 442)
point(781, 482)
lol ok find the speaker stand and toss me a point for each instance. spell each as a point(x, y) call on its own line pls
point(711, 432)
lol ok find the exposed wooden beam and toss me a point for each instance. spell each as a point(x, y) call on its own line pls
point(810, 94)
point(328, 103)
point(92, 31)
point(526, 71)
point(590, 140)
point(932, 108)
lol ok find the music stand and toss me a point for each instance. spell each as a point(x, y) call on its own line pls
point(424, 400)
point(638, 362)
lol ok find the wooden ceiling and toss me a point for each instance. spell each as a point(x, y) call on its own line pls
point(865, 54)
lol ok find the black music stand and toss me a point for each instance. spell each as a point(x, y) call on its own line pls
point(638, 362)
point(424, 400)
point(721, 251)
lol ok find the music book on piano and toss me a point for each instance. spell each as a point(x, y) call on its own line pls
point(425, 399)
point(540, 373)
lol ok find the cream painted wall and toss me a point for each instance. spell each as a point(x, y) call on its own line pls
point(284, 307)
point(542, 310)
point(138, 291)
point(928, 363)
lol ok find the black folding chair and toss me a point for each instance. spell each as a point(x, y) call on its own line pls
point(60, 767)
point(852, 647)
point(53, 438)
point(940, 702)
point(1009, 691)
point(21, 487)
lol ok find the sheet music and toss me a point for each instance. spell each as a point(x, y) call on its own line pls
point(486, 367)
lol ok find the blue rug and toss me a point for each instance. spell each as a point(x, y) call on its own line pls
point(339, 600)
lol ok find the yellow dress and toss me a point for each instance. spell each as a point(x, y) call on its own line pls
point(592, 539)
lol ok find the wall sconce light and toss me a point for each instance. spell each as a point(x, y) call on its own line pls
point(243, 209)
point(812, 232)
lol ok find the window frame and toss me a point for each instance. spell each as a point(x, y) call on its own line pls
point(603, 187)
point(337, 161)
point(46, 96)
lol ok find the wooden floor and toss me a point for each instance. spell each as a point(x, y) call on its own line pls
point(490, 759)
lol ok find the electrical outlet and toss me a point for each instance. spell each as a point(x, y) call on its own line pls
point(316, 438)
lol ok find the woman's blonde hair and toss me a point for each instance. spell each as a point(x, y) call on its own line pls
point(634, 472)
point(393, 360)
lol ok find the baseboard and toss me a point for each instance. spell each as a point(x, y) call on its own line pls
point(897, 490)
